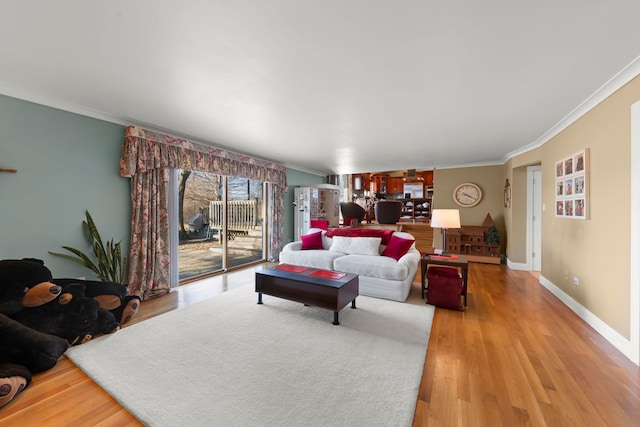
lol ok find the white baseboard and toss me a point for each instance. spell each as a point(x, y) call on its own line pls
point(517, 265)
point(617, 340)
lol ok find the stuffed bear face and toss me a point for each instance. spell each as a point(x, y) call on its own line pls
point(69, 294)
point(25, 283)
point(81, 313)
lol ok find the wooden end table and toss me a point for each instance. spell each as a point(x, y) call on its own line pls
point(459, 262)
point(310, 286)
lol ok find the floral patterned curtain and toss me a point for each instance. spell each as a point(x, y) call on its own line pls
point(146, 158)
point(149, 255)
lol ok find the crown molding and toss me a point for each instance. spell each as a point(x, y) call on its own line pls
point(53, 102)
point(613, 84)
point(307, 170)
point(469, 165)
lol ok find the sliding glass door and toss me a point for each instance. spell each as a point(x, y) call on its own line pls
point(245, 219)
point(220, 223)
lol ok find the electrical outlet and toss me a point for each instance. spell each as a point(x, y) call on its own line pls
point(566, 275)
point(576, 281)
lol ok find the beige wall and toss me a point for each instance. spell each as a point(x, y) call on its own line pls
point(490, 179)
point(594, 250)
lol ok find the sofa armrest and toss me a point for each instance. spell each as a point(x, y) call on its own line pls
point(411, 257)
point(292, 246)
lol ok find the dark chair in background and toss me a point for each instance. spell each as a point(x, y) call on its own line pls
point(351, 211)
point(388, 211)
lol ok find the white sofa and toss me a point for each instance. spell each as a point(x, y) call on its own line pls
point(379, 276)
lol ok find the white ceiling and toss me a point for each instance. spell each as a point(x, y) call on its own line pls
point(333, 86)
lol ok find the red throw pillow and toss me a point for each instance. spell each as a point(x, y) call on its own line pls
point(312, 241)
point(385, 235)
point(397, 247)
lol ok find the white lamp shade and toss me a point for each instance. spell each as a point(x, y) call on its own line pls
point(445, 218)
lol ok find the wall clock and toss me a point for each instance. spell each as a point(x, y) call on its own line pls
point(467, 194)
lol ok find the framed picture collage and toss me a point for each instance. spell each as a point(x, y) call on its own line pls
point(572, 186)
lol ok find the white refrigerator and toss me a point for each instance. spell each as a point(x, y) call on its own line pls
point(320, 201)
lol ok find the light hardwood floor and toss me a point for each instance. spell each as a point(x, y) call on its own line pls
point(516, 356)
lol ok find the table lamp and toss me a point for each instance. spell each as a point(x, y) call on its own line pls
point(444, 219)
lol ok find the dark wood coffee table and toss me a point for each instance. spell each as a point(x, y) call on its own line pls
point(310, 286)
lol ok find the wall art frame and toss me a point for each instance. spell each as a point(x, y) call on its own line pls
point(507, 194)
point(572, 186)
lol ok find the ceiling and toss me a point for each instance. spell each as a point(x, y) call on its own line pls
point(329, 86)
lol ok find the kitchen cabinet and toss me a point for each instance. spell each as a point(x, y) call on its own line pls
point(427, 177)
point(361, 181)
point(395, 185)
point(379, 184)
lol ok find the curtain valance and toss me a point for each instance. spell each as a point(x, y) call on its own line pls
point(146, 158)
point(144, 150)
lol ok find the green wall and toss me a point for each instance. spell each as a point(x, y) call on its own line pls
point(68, 163)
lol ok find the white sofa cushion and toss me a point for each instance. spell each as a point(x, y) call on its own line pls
point(382, 267)
point(356, 245)
point(314, 258)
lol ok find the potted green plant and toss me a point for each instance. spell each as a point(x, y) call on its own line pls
point(107, 262)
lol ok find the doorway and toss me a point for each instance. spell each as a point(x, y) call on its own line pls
point(634, 286)
point(534, 218)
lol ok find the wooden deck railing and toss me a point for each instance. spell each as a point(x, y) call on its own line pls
point(242, 216)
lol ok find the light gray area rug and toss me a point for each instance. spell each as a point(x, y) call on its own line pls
point(227, 361)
